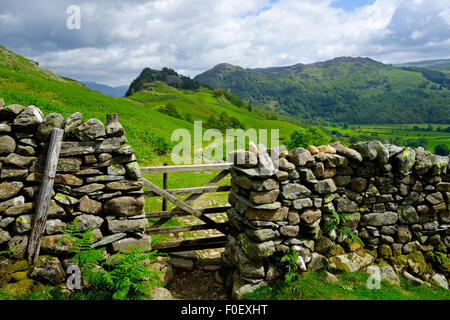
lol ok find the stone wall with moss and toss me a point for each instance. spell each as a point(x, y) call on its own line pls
point(340, 208)
point(97, 183)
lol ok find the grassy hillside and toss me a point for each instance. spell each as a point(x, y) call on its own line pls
point(22, 81)
point(441, 65)
point(351, 90)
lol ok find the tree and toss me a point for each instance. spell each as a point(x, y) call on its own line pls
point(307, 137)
point(218, 93)
point(442, 150)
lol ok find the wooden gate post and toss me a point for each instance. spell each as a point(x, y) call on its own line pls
point(165, 187)
point(45, 192)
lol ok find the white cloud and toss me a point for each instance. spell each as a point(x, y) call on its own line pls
point(416, 35)
point(119, 38)
point(445, 15)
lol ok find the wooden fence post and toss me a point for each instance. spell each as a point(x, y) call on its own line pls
point(43, 202)
point(165, 187)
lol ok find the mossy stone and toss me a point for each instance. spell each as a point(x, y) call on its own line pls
point(336, 250)
point(19, 276)
point(385, 251)
point(23, 288)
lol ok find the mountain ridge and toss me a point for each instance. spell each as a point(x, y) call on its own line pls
point(343, 89)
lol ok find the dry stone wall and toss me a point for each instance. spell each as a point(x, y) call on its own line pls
point(322, 200)
point(97, 182)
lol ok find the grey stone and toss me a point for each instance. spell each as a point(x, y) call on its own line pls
point(348, 152)
point(87, 221)
point(383, 273)
point(289, 231)
point(440, 164)
point(415, 280)
point(129, 243)
point(317, 262)
point(346, 205)
point(54, 226)
point(300, 157)
point(114, 129)
point(358, 184)
point(11, 203)
point(22, 224)
point(51, 121)
point(335, 160)
point(254, 184)
point(88, 189)
point(326, 186)
point(407, 214)
point(90, 206)
point(411, 247)
point(4, 236)
point(379, 219)
point(406, 160)
point(300, 204)
point(161, 293)
point(125, 206)
point(350, 262)
point(440, 280)
point(19, 209)
point(371, 150)
point(256, 250)
point(129, 226)
point(18, 246)
point(90, 130)
point(243, 158)
point(185, 264)
point(245, 266)
point(342, 181)
point(310, 215)
point(133, 170)
point(264, 197)
point(5, 128)
point(284, 164)
point(307, 175)
point(11, 111)
point(71, 123)
point(109, 239)
point(294, 191)
point(262, 235)
point(29, 119)
point(323, 245)
point(48, 269)
point(65, 199)
point(254, 172)
point(69, 164)
point(7, 145)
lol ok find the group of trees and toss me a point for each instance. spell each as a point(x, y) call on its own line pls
point(223, 122)
point(307, 137)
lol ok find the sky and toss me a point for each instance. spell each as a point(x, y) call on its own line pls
point(117, 39)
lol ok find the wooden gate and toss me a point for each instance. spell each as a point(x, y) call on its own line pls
point(184, 208)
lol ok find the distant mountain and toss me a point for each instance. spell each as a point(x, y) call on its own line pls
point(117, 92)
point(346, 89)
point(442, 65)
point(167, 75)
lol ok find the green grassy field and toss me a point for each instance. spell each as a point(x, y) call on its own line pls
point(400, 134)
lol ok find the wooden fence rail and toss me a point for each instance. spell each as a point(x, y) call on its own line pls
point(184, 208)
